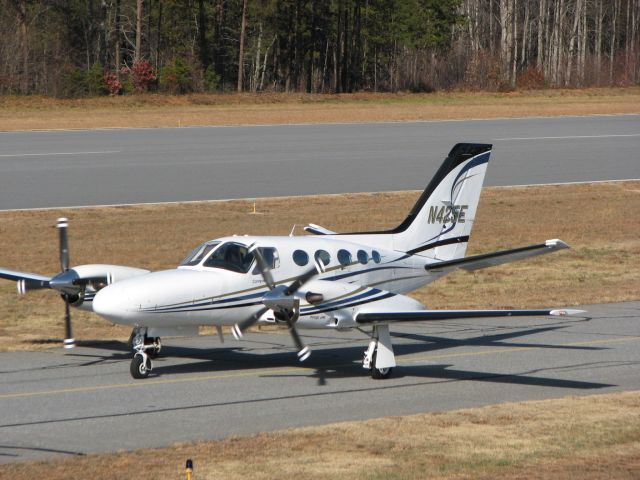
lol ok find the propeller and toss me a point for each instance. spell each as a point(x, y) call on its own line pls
point(63, 281)
point(68, 283)
point(280, 299)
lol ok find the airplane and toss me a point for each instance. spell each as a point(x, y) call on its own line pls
point(326, 280)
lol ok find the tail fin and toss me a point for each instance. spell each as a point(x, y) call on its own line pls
point(440, 222)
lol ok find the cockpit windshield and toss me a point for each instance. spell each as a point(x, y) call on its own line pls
point(197, 254)
point(230, 256)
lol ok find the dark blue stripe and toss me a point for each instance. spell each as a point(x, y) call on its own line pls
point(478, 160)
point(447, 241)
point(373, 291)
point(355, 304)
point(205, 303)
point(204, 309)
point(359, 272)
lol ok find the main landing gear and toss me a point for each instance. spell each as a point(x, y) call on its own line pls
point(145, 349)
point(379, 357)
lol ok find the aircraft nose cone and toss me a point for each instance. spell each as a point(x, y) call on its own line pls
point(110, 304)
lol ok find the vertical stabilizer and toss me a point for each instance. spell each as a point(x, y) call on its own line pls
point(440, 223)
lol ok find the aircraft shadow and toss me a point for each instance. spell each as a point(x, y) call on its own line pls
point(496, 340)
point(341, 359)
point(345, 362)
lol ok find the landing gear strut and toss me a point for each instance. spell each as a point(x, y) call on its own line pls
point(145, 349)
point(379, 358)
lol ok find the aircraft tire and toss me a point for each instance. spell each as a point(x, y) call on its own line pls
point(138, 368)
point(379, 373)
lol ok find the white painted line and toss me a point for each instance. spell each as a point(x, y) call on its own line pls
point(50, 154)
point(253, 199)
point(566, 183)
point(565, 137)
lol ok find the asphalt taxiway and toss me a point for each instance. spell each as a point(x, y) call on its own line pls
point(67, 403)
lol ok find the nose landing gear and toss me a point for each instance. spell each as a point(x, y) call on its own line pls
point(141, 365)
point(145, 349)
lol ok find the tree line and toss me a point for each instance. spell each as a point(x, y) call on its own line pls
point(93, 47)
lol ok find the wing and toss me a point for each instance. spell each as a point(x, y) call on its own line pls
point(436, 315)
point(476, 262)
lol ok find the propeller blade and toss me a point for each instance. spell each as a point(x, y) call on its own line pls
point(263, 267)
point(64, 244)
point(69, 341)
point(300, 281)
point(303, 351)
point(239, 328)
point(25, 285)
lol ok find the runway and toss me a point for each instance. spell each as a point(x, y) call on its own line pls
point(105, 167)
point(79, 402)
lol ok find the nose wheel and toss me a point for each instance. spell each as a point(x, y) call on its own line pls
point(145, 348)
point(141, 365)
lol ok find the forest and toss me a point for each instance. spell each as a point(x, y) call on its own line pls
point(75, 48)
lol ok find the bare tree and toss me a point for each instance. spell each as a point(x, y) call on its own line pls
point(243, 28)
point(117, 56)
point(598, 39)
point(506, 39)
point(138, 49)
point(572, 40)
point(20, 8)
point(542, 26)
point(612, 44)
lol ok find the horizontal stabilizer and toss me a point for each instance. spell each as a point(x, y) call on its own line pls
point(318, 230)
point(437, 315)
point(476, 262)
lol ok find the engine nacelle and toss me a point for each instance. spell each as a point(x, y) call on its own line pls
point(94, 277)
point(115, 273)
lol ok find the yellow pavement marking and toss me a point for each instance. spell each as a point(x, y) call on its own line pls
point(280, 371)
point(143, 383)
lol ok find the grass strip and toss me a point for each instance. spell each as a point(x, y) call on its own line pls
point(155, 110)
point(602, 265)
point(588, 437)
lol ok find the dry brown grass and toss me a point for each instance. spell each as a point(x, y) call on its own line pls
point(24, 113)
point(596, 220)
point(575, 437)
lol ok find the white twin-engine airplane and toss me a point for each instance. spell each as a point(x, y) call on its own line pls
point(329, 280)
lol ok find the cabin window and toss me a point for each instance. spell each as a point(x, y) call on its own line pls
point(230, 256)
point(376, 256)
point(363, 257)
point(344, 257)
point(322, 257)
point(300, 257)
point(198, 253)
point(271, 257)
